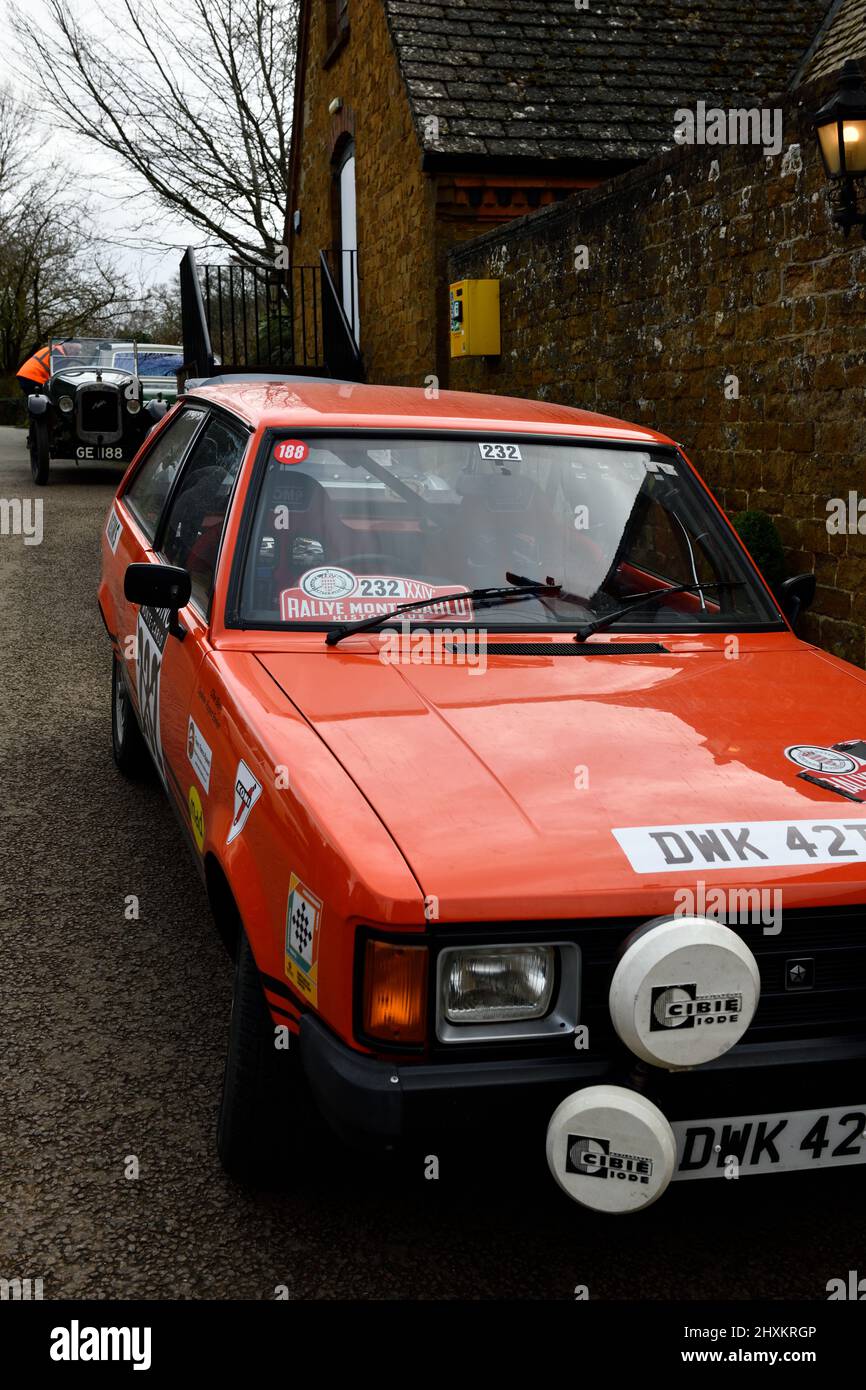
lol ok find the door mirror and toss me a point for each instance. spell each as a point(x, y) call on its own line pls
point(157, 586)
point(796, 594)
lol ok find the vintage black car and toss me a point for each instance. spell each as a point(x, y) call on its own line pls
point(89, 410)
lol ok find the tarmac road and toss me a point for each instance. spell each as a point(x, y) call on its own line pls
point(113, 1034)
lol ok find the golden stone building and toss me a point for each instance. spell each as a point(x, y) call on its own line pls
point(422, 123)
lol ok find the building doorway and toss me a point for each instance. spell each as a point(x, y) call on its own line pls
point(348, 227)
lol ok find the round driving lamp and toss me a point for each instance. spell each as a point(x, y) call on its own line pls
point(133, 405)
point(66, 404)
point(841, 126)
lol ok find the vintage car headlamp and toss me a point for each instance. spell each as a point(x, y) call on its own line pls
point(497, 984)
point(66, 404)
point(133, 405)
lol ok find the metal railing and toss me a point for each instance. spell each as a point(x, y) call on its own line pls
point(261, 318)
point(344, 270)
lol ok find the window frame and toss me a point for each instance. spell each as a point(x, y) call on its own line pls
point(245, 432)
point(186, 408)
point(336, 29)
point(233, 621)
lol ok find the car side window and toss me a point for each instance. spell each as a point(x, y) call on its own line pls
point(147, 493)
point(198, 508)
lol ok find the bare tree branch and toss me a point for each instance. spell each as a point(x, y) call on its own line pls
point(198, 107)
point(54, 276)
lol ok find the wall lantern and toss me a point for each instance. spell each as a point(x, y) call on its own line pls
point(841, 130)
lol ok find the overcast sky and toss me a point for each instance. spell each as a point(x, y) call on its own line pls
point(125, 214)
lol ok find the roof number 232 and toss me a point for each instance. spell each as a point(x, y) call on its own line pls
point(510, 452)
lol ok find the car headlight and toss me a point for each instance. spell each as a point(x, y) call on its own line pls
point(133, 405)
point(66, 404)
point(497, 984)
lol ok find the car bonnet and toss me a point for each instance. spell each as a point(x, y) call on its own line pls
point(504, 788)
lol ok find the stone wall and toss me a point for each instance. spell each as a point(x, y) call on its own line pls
point(721, 306)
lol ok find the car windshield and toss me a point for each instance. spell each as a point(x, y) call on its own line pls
point(86, 352)
point(352, 526)
point(151, 361)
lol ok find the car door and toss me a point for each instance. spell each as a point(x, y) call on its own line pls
point(141, 634)
point(190, 536)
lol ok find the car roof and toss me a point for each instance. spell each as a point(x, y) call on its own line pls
point(276, 404)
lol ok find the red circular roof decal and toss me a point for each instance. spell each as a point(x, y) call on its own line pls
point(291, 451)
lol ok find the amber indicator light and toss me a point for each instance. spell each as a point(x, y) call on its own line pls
point(395, 992)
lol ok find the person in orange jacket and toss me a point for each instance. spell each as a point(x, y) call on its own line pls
point(37, 369)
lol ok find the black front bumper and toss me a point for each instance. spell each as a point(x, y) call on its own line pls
point(370, 1102)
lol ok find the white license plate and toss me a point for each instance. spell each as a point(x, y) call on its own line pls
point(100, 451)
point(777, 1143)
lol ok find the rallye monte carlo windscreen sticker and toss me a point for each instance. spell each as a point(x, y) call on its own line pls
point(303, 921)
point(840, 768)
point(151, 637)
point(333, 594)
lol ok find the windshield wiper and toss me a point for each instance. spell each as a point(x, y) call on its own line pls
point(606, 619)
point(483, 597)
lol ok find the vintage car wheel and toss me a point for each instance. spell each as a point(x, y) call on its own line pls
point(266, 1107)
point(40, 459)
point(127, 741)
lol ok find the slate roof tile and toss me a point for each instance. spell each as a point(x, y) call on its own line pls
point(541, 79)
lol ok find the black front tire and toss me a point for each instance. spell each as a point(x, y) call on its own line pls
point(40, 454)
point(127, 741)
point(267, 1120)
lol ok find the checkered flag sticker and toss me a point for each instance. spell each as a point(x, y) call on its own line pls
point(302, 925)
point(302, 929)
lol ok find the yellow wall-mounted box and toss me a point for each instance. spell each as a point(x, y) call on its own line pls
point(475, 318)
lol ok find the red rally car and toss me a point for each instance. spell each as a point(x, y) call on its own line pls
point(513, 790)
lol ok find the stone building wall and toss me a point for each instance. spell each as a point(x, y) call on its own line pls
point(395, 200)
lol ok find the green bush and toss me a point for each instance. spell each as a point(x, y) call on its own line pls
point(758, 533)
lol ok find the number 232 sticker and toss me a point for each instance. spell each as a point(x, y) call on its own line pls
point(509, 453)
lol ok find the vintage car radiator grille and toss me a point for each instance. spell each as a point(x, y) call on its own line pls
point(99, 411)
point(831, 942)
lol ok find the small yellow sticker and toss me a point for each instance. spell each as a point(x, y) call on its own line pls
point(196, 816)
